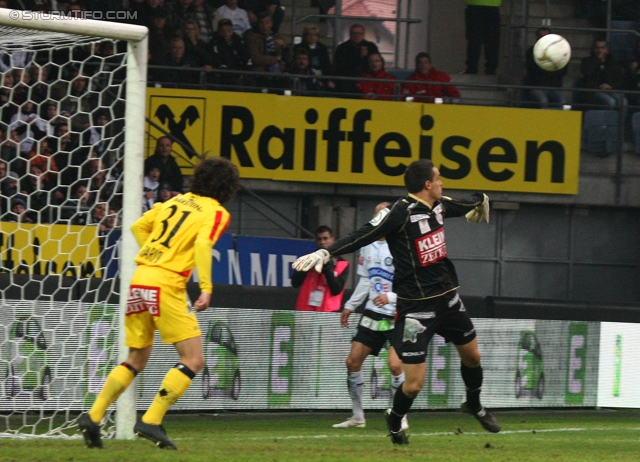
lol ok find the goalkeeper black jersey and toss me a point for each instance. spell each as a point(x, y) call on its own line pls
point(415, 234)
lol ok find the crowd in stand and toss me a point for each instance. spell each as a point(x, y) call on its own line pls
point(61, 134)
point(61, 122)
point(195, 42)
point(61, 130)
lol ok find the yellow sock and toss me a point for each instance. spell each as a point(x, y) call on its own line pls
point(173, 386)
point(117, 382)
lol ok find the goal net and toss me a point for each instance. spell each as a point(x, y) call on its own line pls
point(72, 116)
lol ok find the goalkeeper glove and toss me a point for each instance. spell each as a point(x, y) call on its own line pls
point(316, 259)
point(480, 212)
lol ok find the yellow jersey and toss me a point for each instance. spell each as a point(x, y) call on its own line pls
point(179, 234)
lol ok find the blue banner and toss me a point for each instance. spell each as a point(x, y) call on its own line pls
point(256, 261)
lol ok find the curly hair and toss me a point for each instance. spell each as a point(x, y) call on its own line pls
point(417, 174)
point(217, 178)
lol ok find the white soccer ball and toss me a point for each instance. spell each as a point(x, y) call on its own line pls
point(552, 52)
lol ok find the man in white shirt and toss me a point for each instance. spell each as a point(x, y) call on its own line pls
point(239, 17)
point(375, 268)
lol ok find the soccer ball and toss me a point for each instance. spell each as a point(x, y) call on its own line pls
point(552, 52)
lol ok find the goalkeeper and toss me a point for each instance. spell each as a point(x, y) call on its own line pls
point(174, 236)
point(426, 284)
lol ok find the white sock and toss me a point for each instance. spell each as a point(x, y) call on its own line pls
point(396, 382)
point(356, 387)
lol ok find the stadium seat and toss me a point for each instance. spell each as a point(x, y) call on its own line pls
point(635, 125)
point(600, 132)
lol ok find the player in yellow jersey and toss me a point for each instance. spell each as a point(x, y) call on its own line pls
point(174, 236)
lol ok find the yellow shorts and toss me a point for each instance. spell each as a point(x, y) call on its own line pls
point(158, 300)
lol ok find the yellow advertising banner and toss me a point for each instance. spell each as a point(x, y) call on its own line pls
point(334, 140)
point(69, 250)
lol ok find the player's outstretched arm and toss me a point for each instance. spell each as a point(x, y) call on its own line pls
point(480, 212)
point(315, 260)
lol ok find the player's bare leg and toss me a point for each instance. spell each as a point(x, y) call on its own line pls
point(472, 376)
point(355, 383)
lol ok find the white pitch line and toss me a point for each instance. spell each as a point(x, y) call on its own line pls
point(355, 434)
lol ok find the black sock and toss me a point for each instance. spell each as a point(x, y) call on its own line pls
point(472, 377)
point(401, 405)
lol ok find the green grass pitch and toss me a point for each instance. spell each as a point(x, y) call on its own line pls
point(541, 435)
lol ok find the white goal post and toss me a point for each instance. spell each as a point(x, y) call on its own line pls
point(11, 23)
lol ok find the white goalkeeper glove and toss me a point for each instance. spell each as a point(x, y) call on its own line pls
point(480, 212)
point(316, 259)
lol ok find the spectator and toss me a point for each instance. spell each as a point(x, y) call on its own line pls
point(113, 184)
point(196, 50)
point(351, 58)
point(160, 35)
point(319, 60)
point(257, 8)
point(97, 136)
point(29, 126)
point(482, 26)
point(3, 177)
point(49, 113)
point(238, 17)
point(101, 185)
point(300, 67)
point(97, 213)
point(78, 103)
point(22, 83)
point(180, 12)
point(177, 59)
point(150, 184)
point(377, 90)
point(39, 78)
point(10, 152)
point(36, 187)
point(6, 104)
point(164, 192)
point(425, 72)
point(42, 153)
point(9, 149)
point(600, 71)
point(268, 50)
point(67, 156)
point(322, 291)
point(538, 77)
point(633, 75)
point(143, 11)
point(17, 58)
point(9, 185)
point(106, 67)
point(230, 53)
point(18, 212)
point(204, 16)
point(169, 169)
point(75, 209)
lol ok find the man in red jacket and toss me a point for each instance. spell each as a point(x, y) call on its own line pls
point(425, 72)
point(377, 90)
